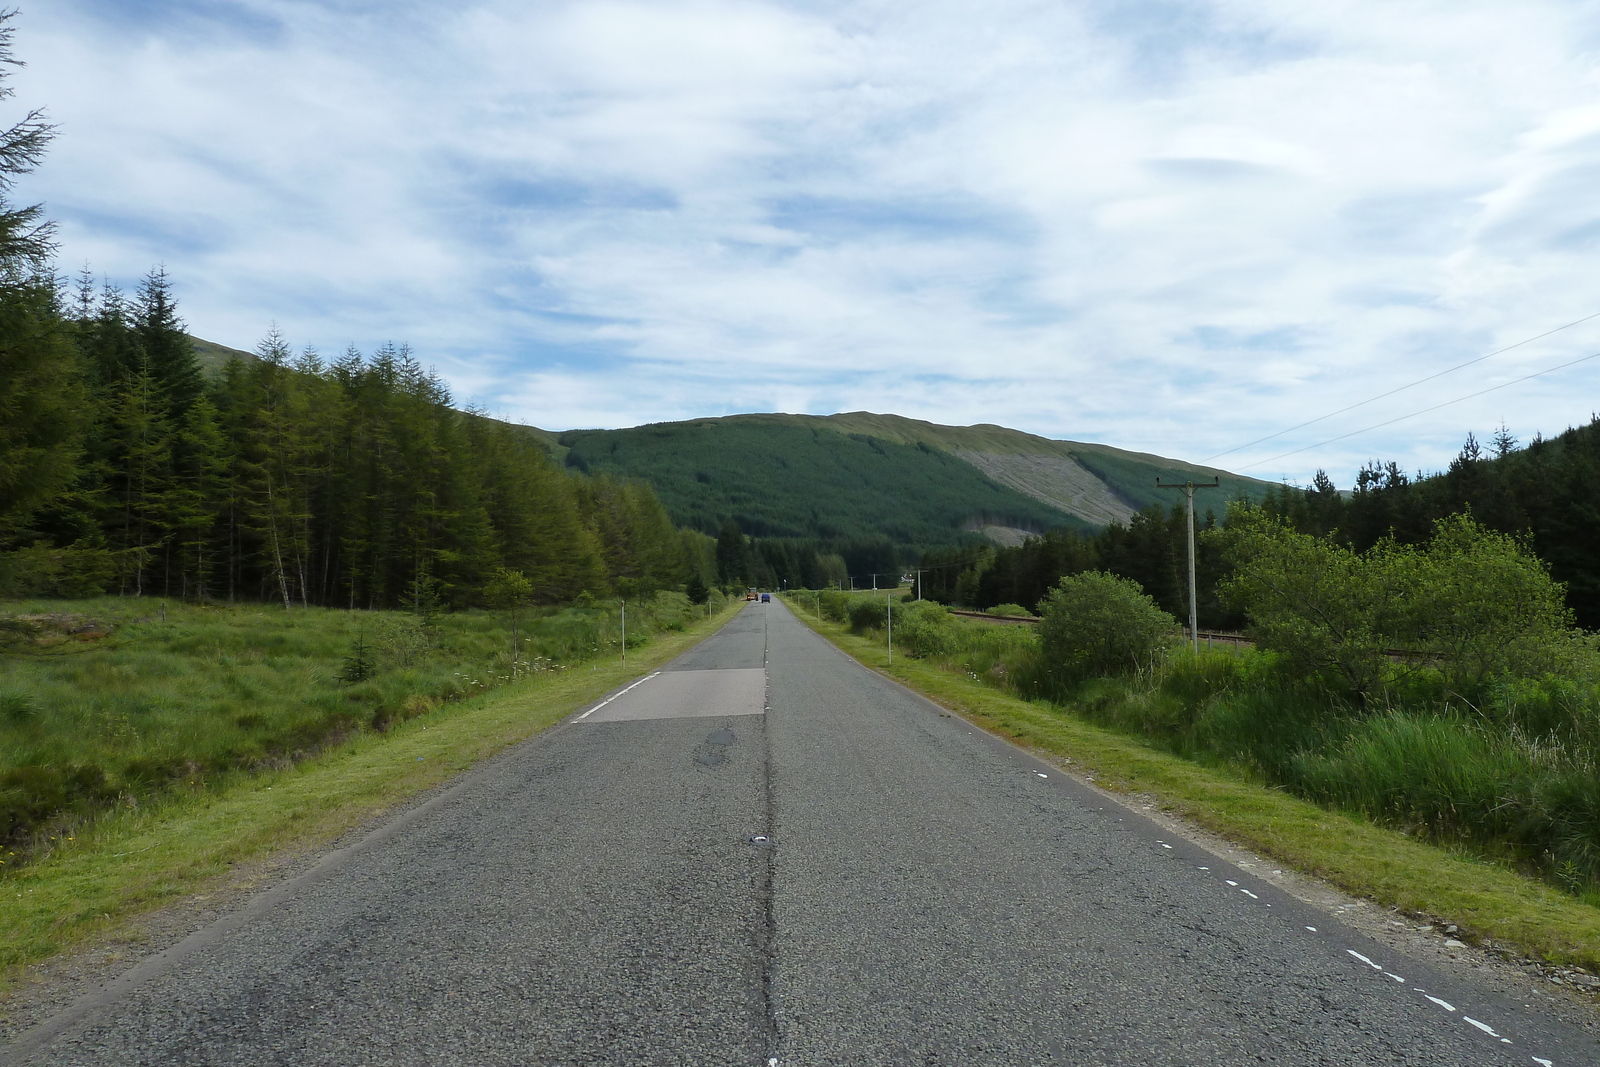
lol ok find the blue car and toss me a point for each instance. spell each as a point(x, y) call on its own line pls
point(766, 598)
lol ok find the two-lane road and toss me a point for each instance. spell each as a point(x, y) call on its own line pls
point(766, 852)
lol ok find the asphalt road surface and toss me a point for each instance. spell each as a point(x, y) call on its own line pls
point(766, 853)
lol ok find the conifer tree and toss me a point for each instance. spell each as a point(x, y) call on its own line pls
point(26, 236)
point(42, 403)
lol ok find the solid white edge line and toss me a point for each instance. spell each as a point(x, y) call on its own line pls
point(614, 696)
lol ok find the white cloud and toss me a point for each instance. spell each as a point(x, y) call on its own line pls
point(1169, 227)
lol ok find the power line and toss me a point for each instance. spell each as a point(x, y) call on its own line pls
point(1399, 389)
point(1424, 411)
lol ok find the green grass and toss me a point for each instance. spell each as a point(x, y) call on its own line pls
point(110, 869)
point(1485, 898)
point(116, 701)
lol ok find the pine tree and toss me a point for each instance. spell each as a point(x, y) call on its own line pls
point(199, 497)
point(142, 452)
point(168, 351)
point(40, 392)
point(26, 236)
point(42, 404)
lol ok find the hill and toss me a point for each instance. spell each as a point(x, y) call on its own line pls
point(863, 475)
point(779, 478)
point(212, 357)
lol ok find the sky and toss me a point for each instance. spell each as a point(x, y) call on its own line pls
point(1172, 227)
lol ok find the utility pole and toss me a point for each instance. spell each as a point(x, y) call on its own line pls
point(919, 583)
point(1188, 500)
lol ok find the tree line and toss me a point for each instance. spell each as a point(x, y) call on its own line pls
point(1542, 492)
point(351, 482)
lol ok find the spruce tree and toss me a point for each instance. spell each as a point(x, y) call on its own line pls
point(26, 236)
point(168, 351)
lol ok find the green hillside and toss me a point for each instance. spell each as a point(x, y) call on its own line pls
point(212, 357)
point(859, 475)
point(780, 478)
point(1119, 483)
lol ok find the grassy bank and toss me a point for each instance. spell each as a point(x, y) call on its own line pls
point(129, 860)
point(119, 701)
point(1485, 898)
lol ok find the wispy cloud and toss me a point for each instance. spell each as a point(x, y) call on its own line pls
point(1173, 227)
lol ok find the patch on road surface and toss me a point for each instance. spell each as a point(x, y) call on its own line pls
point(687, 695)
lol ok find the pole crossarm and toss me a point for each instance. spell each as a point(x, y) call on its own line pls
point(1188, 507)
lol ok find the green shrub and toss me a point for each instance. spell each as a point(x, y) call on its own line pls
point(1101, 624)
point(836, 605)
point(925, 629)
point(1014, 610)
point(1472, 606)
point(869, 613)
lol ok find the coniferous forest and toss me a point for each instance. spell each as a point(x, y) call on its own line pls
point(1540, 492)
point(349, 482)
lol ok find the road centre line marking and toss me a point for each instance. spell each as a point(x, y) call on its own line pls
point(1445, 1004)
point(614, 696)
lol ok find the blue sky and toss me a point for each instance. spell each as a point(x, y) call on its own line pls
point(1171, 227)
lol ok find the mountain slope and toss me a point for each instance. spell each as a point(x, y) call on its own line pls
point(779, 478)
point(861, 474)
point(212, 357)
point(1097, 483)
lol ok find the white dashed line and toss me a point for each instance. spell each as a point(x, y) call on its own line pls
point(609, 699)
point(1446, 1005)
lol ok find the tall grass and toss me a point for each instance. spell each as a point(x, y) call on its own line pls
point(111, 701)
point(1515, 778)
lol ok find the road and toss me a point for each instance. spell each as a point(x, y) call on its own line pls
point(766, 852)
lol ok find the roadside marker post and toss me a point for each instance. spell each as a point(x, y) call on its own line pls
point(1188, 499)
point(888, 602)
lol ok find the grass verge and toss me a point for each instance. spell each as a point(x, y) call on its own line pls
point(131, 862)
point(1485, 900)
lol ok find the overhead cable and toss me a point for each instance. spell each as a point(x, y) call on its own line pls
point(1424, 411)
point(1398, 389)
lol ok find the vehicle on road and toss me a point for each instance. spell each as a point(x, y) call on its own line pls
point(766, 598)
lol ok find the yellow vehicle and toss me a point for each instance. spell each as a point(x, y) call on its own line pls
point(750, 594)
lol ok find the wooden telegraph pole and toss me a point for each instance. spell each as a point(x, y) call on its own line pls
point(1188, 501)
